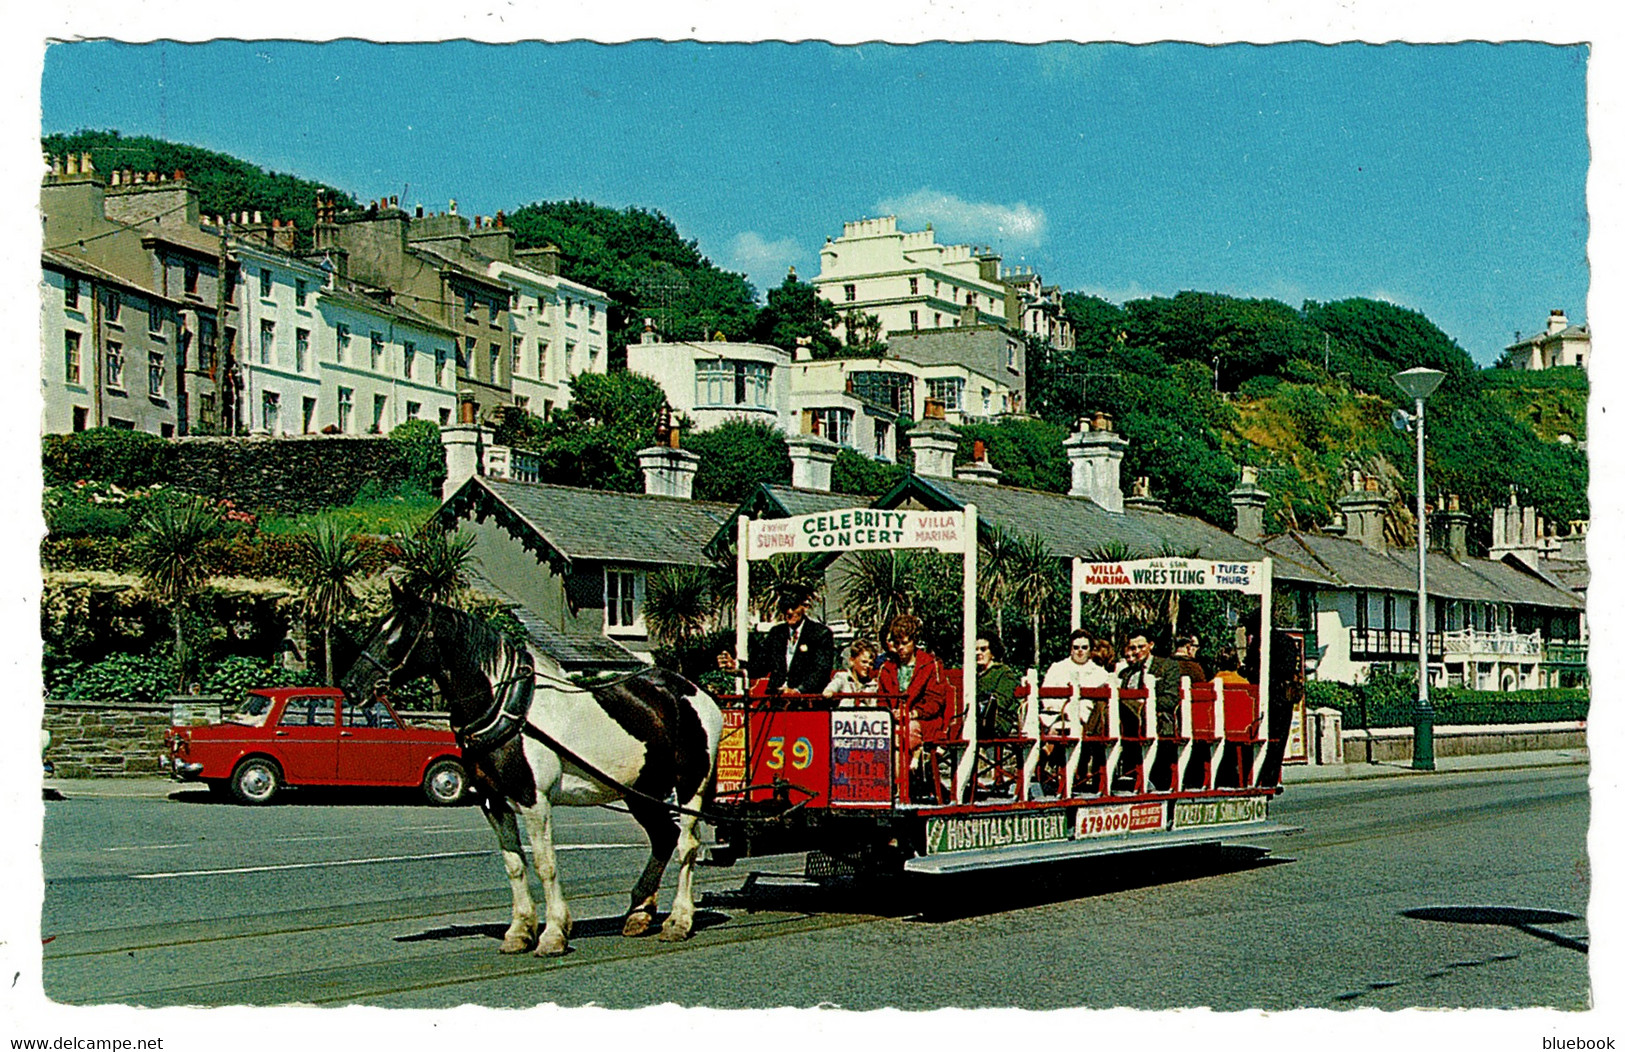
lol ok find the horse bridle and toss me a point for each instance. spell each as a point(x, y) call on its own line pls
point(389, 673)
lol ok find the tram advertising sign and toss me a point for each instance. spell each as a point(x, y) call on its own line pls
point(859, 529)
point(1178, 574)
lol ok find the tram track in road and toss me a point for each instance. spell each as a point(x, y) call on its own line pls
point(596, 942)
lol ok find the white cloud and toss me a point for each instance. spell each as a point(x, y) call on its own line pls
point(1005, 227)
point(758, 257)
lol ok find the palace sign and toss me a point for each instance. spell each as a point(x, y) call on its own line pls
point(1178, 574)
point(857, 529)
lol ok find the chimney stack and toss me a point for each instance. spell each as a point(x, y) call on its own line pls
point(1249, 500)
point(1140, 498)
point(1096, 453)
point(1363, 511)
point(812, 462)
point(934, 443)
point(1453, 525)
point(668, 472)
point(979, 469)
point(1557, 322)
point(1513, 531)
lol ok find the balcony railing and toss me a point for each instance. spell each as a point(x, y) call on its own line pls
point(1386, 643)
point(1472, 643)
point(1566, 652)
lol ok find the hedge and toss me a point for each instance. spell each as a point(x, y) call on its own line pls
point(130, 459)
point(1393, 704)
point(242, 555)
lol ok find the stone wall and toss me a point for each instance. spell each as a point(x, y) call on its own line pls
point(91, 739)
point(1394, 743)
point(291, 474)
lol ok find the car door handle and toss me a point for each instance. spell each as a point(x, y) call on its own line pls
point(346, 734)
point(281, 734)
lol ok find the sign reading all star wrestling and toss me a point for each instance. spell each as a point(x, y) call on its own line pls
point(1179, 574)
point(990, 831)
point(858, 529)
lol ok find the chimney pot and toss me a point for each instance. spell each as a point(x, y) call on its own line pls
point(257, 220)
point(84, 163)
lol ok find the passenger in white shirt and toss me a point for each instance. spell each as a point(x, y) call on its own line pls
point(1075, 668)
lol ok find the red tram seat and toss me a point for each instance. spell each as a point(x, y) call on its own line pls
point(1204, 717)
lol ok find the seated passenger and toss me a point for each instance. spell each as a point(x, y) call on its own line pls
point(915, 675)
point(1185, 655)
point(997, 713)
point(1229, 668)
point(1076, 669)
point(858, 677)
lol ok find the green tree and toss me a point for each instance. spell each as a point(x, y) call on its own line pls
point(681, 604)
point(796, 311)
point(736, 455)
point(995, 573)
point(435, 563)
point(418, 444)
point(863, 476)
point(594, 442)
point(1035, 579)
point(1029, 452)
point(173, 560)
point(329, 563)
point(648, 269)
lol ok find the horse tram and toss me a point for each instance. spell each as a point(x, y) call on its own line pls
point(837, 777)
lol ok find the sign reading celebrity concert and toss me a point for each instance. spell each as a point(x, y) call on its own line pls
point(857, 529)
point(1179, 574)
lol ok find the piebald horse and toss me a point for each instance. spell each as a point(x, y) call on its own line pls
point(531, 740)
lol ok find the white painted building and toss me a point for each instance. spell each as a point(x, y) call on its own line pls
point(382, 365)
point(558, 329)
point(908, 280)
point(1559, 345)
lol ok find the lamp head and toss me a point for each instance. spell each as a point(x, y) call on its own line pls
point(1419, 383)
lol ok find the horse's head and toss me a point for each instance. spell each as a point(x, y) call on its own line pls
point(402, 647)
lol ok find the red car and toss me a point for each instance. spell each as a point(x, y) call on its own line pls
point(291, 736)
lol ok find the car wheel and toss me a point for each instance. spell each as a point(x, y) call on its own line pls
point(255, 781)
point(445, 783)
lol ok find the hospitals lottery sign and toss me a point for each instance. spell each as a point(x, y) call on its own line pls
point(1178, 574)
point(857, 529)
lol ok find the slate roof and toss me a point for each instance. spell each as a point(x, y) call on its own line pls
point(573, 650)
point(473, 273)
point(358, 301)
point(1077, 526)
point(566, 524)
point(68, 261)
point(1353, 565)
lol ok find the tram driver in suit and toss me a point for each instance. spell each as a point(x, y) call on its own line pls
point(798, 654)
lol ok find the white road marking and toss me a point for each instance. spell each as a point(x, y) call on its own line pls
point(364, 861)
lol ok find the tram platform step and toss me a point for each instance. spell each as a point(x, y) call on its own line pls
point(1031, 854)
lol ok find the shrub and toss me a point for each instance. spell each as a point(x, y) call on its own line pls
point(857, 474)
point(125, 458)
point(1391, 702)
point(417, 443)
point(233, 675)
point(124, 677)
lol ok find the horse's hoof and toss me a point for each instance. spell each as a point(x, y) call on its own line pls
point(551, 947)
point(516, 944)
point(637, 924)
point(670, 932)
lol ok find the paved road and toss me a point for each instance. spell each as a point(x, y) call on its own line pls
point(175, 899)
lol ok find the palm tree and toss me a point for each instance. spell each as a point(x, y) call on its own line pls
point(1034, 580)
point(772, 579)
point(330, 561)
point(434, 564)
point(879, 585)
point(680, 603)
point(994, 570)
point(173, 561)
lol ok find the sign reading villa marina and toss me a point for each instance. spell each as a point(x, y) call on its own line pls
point(1182, 574)
point(856, 529)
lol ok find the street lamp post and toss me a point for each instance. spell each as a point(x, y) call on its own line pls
point(1418, 384)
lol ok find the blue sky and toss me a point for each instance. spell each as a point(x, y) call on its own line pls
point(1450, 179)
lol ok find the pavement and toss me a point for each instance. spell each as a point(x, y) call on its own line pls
point(1292, 774)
